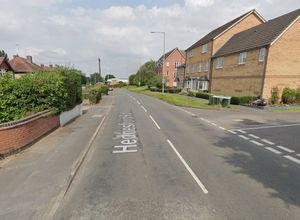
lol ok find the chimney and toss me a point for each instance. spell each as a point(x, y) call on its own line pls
point(15, 56)
point(42, 65)
point(51, 66)
point(29, 59)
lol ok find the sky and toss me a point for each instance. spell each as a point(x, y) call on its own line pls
point(75, 33)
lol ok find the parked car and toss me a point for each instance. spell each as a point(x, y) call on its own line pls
point(110, 88)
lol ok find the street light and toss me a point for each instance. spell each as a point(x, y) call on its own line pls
point(164, 54)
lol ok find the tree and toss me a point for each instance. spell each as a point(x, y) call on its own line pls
point(3, 54)
point(83, 79)
point(95, 78)
point(109, 76)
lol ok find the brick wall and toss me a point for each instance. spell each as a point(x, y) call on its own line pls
point(283, 66)
point(239, 80)
point(19, 134)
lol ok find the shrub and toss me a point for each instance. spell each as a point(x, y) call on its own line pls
point(94, 95)
point(242, 100)
point(203, 95)
point(289, 96)
point(191, 93)
point(235, 100)
point(297, 96)
point(104, 89)
point(57, 90)
point(274, 96)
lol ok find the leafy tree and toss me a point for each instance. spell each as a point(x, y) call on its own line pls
point(95, 78)
point(109, 76)
point(83, 79)
point(3, 54)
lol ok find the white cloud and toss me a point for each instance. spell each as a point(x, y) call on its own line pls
point(120, 35)
point(199, 3)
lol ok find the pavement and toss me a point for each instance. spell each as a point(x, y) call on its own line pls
point(32, 180)
point(152, 160)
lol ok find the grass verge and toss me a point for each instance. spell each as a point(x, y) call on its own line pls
point(174, 99)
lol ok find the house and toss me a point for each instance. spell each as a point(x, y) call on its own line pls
point(180, 75)
point(260, 61)
point(198, 56)
point(5, 66)
point(22, 66)
point(168, 68)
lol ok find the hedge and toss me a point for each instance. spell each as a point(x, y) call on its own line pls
point(167, 90)
point(290, 96)
point(203, 95)
point(57, 90)
point(242, 100)
point(94, 95)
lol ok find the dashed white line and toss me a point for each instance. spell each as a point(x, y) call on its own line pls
point(271, 126)
point(138, 102)
point(200, 184)
point(257, 143)
point(222, 128)
point(232, 132)
point(214, 124)
point(273, 150)
point(244, 137)
point(298, 155)
point(285, 149)
point(144, 108)
point(267, 141)
point(155, 122)
point(292, 159)
point(244, 132)
point(254, 136)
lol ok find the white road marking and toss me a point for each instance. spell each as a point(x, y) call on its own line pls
point(292, 159)
point(254, 136)
point(244, 137)
point(202, 119)
point(257, 143)
point(96, 116)
point(144, 108)
point(298, 155)
point(214, 124)
point(138, 102)
point(273, 150)
point(232, 132)
point(286, 149)
point(242, 131)
point(267, 141)
point(200, 184)
point(222, 128)
point(271, 126)
point(155, 122)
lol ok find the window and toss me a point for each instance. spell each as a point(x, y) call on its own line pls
point(200, 67)
point(206, 66)
point(203, 85)
point(174, 75)
point(191, 53)
point(192, 68)
point(243, 58)
point(204, 48)
point(168, 64)
point(220, 63)
point(262, 54)
point(176, 64)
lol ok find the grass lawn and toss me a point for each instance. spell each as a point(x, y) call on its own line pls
point(174, 99)
point(292, 109)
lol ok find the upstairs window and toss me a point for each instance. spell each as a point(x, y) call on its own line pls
point(167, 64)
point(206, 66)
point(219, 62)
point(191, 53)
point(243, 58)
point(200, 67)
point(192, 68)
point(204, 48)
point(176, 64)
point(262, 54)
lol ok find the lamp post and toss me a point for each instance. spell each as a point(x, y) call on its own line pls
point(164, 57)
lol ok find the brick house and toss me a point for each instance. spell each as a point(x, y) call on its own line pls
point(23, 66)
point(5, 66)
point(173, 59)
point(260, 60)
point(198, 56)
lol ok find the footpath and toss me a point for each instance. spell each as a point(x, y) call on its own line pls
point(33, 181)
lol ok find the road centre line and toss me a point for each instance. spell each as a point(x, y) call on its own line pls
point(138, 102)
point(257, 143)
point(267, 141)
point(286, 149)
point(292, 159)
point(154, 122)
point(254, 136)
point(144, 108)
point(232, 132)
point(271, 126)
point(200, 184)
point(242, 131)
point(244, 137)
point(273, 150)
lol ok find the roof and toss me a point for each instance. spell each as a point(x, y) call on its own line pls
point(215, 33)
point(169, 53)
point(259, 36)
point(22, 65)
point(4, 59)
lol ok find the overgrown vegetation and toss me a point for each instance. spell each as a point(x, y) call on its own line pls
point(167, 90)
point(94, 92)
point(242, 100)
point(290, 96)
point(58, 90)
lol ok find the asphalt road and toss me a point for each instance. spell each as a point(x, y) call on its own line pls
point(152, 160)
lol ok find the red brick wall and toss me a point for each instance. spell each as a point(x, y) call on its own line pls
point(19, 135)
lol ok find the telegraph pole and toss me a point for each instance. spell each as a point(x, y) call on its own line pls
point(99, 63)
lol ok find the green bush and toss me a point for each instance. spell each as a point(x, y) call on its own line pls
point(274, 96)
point(57, 90)
point(289, 96)
point(203, 95)
point(297, 96)
point(191, 93)
point(104, 89)
point(242, 100)
point(94, 95)
point(167, 90)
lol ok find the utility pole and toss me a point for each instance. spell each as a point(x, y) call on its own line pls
point(99, 62)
